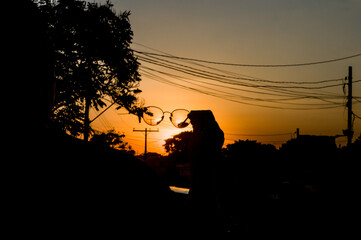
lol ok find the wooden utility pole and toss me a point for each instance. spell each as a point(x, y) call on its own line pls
point(349, 131)
point(146, 131)
point(349, 107)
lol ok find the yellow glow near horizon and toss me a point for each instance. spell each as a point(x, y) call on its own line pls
point(255, 32)
point(248, 122)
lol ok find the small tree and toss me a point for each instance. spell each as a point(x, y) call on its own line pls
point(93, 60)
point(176, 147)
point(112, 139)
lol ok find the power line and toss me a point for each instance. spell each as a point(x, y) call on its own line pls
point(226, 97)
point(192, 71)
point(356, 115)
point(229, 78)
point(234, 88)
point(230, 73)
point(356, 99)
point(281, 101)
point(225, 80)
point(213, 77)
point(292, 95)
point(227, 85)
point(250, 65)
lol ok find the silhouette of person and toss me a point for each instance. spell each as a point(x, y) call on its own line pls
point(204, 152)
point(57, 185)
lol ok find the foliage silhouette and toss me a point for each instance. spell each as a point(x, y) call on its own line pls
point(248, 149)
point(112, 139)
point(177, 146)
point(93, 60)
point(56, 184)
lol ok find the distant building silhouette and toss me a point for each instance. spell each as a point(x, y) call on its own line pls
point(311, 143)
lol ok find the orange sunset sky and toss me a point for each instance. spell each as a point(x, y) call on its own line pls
point(245, 32)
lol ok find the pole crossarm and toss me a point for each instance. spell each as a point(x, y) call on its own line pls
point(145, 130)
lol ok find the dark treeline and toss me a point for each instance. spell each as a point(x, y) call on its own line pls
point(305, 186)
point(308, 185)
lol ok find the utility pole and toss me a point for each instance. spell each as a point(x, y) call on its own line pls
point(349, 131)
point(349, 106)
point(87, 121)
point(146, 131)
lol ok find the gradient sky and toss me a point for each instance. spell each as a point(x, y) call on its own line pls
point(252, 32)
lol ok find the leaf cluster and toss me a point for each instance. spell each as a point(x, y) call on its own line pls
point(111, 139)
point(93, 56)
point(177, 146)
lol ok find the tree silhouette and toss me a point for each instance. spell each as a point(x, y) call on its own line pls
point(248, 150)
point(94, 60)
point(176, 146)
point(112, 139)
